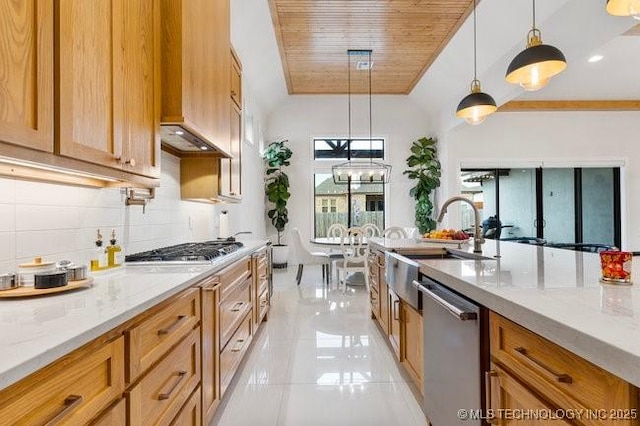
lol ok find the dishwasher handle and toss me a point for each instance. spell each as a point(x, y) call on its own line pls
point(457, 312)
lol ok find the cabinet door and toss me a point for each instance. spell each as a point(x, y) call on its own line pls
point(26, 82)
point(394, 322)
point(412, 338)
point(507, 398)
point(231, 168)
point(210, 348)
point(383, 294)
point(107, 83)
point(236, 81)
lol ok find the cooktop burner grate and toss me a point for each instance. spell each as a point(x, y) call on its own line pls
point(187, 252)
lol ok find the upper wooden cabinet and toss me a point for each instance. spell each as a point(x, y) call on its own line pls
point(236, 79)
point(107, 83)
point(230, 185)
point(195, 68)
point(26, 85)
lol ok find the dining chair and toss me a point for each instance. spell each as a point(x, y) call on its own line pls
point(370, 230)
point(336, 230)
point(354, 252)
point(394, 232)
point(306, 257)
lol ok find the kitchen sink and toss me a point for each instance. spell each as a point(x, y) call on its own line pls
point(447, 253)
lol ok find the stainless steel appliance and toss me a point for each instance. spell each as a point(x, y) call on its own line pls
point(188, 253)
point(453, 329)
point(400, 273)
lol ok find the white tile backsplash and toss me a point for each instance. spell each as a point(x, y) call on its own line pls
point(60, 222)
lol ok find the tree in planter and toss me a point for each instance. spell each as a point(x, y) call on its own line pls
point(424, 167)
point(277, 156)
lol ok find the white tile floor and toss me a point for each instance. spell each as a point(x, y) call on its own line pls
point(319, 360)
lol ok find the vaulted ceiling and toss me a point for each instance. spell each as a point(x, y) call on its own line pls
point(405, 37)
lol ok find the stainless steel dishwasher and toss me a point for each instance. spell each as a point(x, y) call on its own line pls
point(453, 329)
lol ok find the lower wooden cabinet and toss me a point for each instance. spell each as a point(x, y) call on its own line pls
point(73, 390)
point(511, 403)
point(162, 392)
point(383, 295)
point(233, 353)
point(210, 347)
point(554, 377)
point(394, 322)
point(116, 415)
point(190, 415)
point(412, 343)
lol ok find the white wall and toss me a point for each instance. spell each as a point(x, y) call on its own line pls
point(559, 139)
point(300, 118)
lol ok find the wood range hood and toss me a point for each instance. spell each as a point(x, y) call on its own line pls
point(195, 78)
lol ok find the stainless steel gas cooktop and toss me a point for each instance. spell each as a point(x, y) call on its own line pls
point(205, 252)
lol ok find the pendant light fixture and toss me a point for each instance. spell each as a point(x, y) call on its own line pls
point(362, 172)
point(534, 66)
point(477, 105)
point(624, 8)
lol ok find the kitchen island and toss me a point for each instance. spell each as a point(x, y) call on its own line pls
point(556, 337)
point(38, 331)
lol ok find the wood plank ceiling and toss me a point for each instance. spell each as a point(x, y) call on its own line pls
point(405, 36)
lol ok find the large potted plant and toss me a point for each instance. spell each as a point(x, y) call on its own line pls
point(276, 156)
point(424, 168)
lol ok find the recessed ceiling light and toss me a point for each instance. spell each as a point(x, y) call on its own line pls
point(595, 58)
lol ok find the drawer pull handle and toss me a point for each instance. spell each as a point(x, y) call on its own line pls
point(237, 307)
point(181, 375)
point(488, 377)
point(559, 377)
point(168, 329)
point(396, 303)
point(238, 346)
point(70, 404)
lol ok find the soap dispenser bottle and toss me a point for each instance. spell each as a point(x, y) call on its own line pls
point(99, 260)
point(114, 252)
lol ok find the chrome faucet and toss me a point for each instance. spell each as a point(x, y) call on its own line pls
point(478, 240)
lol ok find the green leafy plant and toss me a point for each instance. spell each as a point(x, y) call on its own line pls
point(424, 167)
point(276, 156)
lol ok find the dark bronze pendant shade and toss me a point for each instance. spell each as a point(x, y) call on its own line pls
point(477, 105)
point(534, 66)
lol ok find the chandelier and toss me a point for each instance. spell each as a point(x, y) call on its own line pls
point(360, 171)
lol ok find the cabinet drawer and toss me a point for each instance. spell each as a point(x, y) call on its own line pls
point(116, 415)
point(149, 340)
point(234, 275)
point(190, 415)
point(263, 305)
point(71, 391)
point(232, 354)
point(162, 392)
point(233, 309)
point(559, 375)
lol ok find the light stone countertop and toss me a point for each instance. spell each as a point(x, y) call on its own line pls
point(36, 331)
point(553, 292)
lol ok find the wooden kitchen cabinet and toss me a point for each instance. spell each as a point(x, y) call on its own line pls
point(154, 335)
point(412, 343)
point(559, 378)
point(115, 415)
point(383, 294)
point(394, 322)
point(210, 294)
point(72, 390)
point(508, 399)
point(259, 272)
point(190, 413)
point(26, 86)
point(195, 68)
point(230, 186)
point(236, 79)
point(161, 393)
point(107, 83)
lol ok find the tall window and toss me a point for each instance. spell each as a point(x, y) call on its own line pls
point(331, 201)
